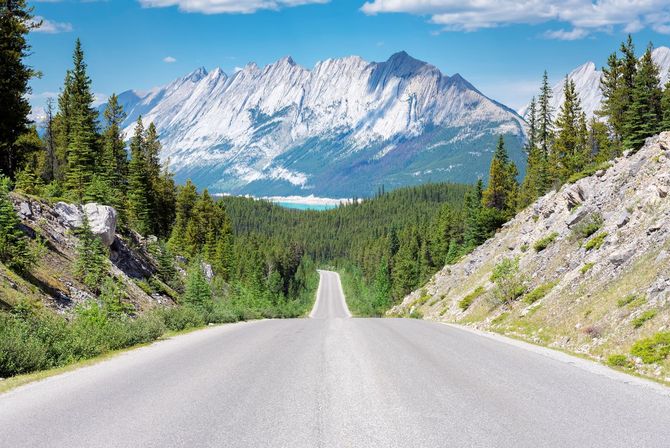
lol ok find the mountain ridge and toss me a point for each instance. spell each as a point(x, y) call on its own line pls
point(268, 130)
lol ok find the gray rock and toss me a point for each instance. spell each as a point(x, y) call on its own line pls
point(621, 219)
point(102, 219)
point(621, 256)
point(24, 210)
point(575, 195)
point(577, 216)
point(207, 271)
point(69, 214)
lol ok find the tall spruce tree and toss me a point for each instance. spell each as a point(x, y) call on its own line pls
point(114, 163)
point(187, 195)
point(612, 106)
point(531, 187)
point(501, 191)
point(665, 106)
point(570, 152)
point(16, 21)
point(50, 167)
point(644, 115)
point(138, 185)
point(80, 159)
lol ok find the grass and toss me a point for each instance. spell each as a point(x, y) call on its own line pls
point(588, 226)
point(543, 243)
point(539, 292)
point(588, 171)
point(631, 301)
point(596, 242)
point(466, 301)
point(644, 317)
point(586, 268)
point(619, 361)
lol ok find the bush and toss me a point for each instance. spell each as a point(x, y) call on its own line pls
point(626, 300)
point(509, 284)
point(466, 301)
point(181, 318)
point(596, 242)
point(588, 171)
point(539, 292)
point(20, 352)
point(652, 349)
point(588, 226)
point(642, 318)
point(542, 244)
point(618, 361)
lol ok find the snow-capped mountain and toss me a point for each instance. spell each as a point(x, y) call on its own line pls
point(587, 81)
point(343, 128)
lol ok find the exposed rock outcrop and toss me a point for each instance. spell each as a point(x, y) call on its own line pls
point(598, 281)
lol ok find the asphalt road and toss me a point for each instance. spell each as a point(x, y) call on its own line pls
point(334, 381)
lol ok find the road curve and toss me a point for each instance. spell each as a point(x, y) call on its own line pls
point(332, 381)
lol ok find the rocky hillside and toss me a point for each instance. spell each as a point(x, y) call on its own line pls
point(585, 269)
point(53, 283)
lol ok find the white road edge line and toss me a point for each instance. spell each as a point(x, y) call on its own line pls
point(581, 363)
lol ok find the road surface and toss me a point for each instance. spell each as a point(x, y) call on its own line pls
point(333, 381)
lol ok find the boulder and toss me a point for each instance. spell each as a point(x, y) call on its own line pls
point(101, 218)
point(621, 256)
point(574, 196)
point(25, 210)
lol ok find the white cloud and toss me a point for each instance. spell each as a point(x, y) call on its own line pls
point(584, 16)
point(227, 6)
point(573, 34)
point(169, 59)
point(50, 26)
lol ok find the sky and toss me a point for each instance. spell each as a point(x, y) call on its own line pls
point(500, 46)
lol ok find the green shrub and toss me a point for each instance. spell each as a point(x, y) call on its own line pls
point(181, 318)
point(509, 283)
point(586, 268)
point(20, 351)
point(466, 301)
point(539, 292)
point(626, 300)
point(542, 244)
point(653, 349)
point(588, 226)
point(642, 318)
point(596, 242)
point(588, 171)
point(618, 361)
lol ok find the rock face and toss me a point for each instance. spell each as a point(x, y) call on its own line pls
point(101, 218)
point(587, 275)
point(56, 284)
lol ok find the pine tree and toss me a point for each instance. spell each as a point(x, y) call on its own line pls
point(81, 102)
point(80, 158)
point(612, 106)
point(16, 21)
point(13, 243)
point(138, 185)
point(599, 143)
point(50, 168)
point(475, 231)
point(501, 192)
point(544, 119)
point(665, 107)
point(114, 163)
point(570, 152)
point(644, 116)
point(187, 196)
point(531, 186)
point(91, 263)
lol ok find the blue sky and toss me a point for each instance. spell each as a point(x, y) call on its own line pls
point(500, 46)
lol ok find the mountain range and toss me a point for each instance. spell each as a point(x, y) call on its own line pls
point(587, 80)
point(344, 128)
